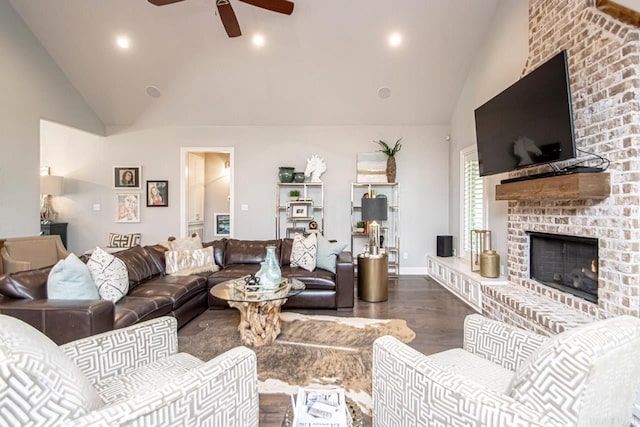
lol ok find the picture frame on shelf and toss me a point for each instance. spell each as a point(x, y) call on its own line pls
point(127, 177)
point(127, 207)
point(291, 231)
point(300, 209)
point(222, 223)
point(157, 194)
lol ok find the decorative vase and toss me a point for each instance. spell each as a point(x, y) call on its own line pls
point(269, 273)
point(391, 169)
point(298, 177)
point(285, 174)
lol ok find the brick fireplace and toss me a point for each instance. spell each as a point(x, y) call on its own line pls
point(604, 67)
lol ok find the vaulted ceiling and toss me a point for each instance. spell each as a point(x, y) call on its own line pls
point(322, 65)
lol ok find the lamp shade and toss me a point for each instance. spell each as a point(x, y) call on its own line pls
point(51, 185)
point(374, 208)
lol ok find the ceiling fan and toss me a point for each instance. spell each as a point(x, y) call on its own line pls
point(228, 16)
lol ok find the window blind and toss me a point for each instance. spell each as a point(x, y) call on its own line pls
point(473, 201)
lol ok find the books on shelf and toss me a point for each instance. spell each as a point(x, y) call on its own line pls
point(321, 407)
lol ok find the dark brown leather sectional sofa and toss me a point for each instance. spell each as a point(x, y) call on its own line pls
point(152, 293)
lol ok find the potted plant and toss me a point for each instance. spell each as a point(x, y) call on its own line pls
point(360, 227)
point(391, 160)
point(294, 194)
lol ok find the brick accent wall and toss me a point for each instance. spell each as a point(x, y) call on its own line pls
point(604, 67)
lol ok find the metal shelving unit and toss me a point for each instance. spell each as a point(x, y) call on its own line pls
point(389, 228)
point(295, 215)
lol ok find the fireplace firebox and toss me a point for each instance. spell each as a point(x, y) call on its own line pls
point(566, 263)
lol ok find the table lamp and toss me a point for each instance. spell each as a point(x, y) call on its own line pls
point(374, 209)
point(49, 186)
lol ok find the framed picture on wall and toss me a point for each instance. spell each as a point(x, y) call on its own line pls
point(128, 207)
point(128, 177)
point(222, 224)
point(157, 194)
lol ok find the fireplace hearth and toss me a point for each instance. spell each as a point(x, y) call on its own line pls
point(566, 263)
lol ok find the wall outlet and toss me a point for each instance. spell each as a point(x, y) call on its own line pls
point(502, 272)
point(244, 207)
point(96, 207)
point(405, 255)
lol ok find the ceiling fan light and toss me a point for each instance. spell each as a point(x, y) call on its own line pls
point(123, 42)
point(258, 40)
point(395, 39)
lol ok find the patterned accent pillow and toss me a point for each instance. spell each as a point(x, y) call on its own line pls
point(183, 263)
point(304, 251)
point(110, 274)
point(70, 279)
point(41, 385)
point(123, 240)
point(186, 244)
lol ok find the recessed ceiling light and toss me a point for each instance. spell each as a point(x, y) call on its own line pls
point(123, 42)
point(384, 93)
point(153, 91)
point(395, 39)
point(258, 40)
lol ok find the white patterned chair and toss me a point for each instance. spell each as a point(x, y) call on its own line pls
point(504, 376)
point(127, 377)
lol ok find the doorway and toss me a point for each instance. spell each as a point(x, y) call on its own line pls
point(206, 199)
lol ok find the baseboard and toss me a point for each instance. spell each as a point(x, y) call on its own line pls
point(413, 271)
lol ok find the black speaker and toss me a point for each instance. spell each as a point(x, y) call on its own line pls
point(445, 246)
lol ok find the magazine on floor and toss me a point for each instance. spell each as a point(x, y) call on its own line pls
point(321, 407)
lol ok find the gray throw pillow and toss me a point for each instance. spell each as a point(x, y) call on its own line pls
point(328, 253)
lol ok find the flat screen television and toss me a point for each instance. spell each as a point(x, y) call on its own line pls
point(529, 123)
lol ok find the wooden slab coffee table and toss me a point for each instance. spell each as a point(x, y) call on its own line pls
point(259, 313)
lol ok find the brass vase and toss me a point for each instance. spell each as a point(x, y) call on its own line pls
point(391, 169)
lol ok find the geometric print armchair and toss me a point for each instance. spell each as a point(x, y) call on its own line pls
point(505, 376)
point(127, 377)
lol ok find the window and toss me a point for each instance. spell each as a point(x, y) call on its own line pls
point(472, 198)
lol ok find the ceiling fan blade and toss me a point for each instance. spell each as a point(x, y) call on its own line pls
point(163, 2)
point(228, 18)
point(280, 6)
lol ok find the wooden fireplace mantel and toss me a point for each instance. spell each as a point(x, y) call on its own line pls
point(620, 12)
point(573, 186)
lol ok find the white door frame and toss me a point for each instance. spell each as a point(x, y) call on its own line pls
point(184, 184)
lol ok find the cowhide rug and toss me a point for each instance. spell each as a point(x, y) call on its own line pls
point(310, 350)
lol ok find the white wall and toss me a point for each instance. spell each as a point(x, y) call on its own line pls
point(498, 64)
point(31, 87)
point(422, 174)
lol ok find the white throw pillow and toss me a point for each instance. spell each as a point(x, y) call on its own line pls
point(194, 261)
point(110, 275)
point(41, 384)
point(70, 279)
point(303, 251)
point(186, 244)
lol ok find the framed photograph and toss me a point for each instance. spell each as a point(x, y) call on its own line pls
point(127, 177)
point(157, 194)
point(128, 207)
point(222, 224)
point(300, 209)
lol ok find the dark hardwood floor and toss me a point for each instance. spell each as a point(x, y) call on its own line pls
point(432, 312)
